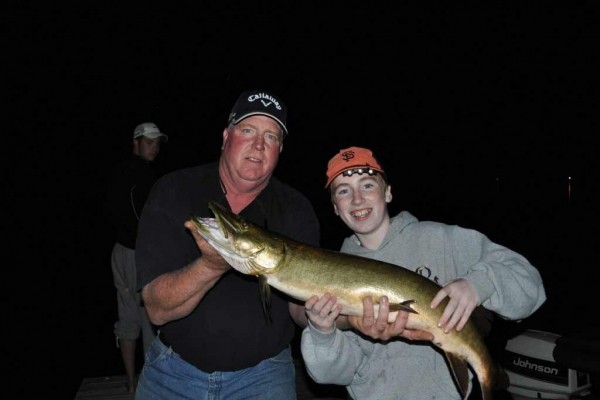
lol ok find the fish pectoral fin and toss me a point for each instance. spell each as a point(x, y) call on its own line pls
point(265, 296)
point(404, 306)
point(460, 372)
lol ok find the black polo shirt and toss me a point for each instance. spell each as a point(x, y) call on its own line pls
point(228, 330)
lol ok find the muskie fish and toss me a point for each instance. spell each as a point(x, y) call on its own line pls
point(300, 271)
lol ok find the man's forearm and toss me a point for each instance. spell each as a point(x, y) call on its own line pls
point(174, 295)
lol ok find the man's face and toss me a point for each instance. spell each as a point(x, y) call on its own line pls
point(252, 147)
point(361, 201)
point(146, 148)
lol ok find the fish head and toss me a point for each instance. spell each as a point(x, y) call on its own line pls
point(245, 246)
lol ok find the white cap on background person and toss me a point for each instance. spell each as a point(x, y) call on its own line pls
point(150, 130)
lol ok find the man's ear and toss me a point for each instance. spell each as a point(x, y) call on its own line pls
point(225, 136)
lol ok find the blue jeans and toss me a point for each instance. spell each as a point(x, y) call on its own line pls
point(166, 376)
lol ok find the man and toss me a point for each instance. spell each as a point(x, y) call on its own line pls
point(472, 269)
point(129, 186)
point(214, 340)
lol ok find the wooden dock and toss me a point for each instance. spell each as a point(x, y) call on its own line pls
point(104, 388)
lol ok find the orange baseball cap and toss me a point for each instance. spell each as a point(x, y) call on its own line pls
point(351, 159)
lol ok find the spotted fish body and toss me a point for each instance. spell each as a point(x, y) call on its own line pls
point(301, 271)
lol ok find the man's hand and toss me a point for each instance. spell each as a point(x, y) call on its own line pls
point(463, 300)
point(211, 258)
point(380, 328)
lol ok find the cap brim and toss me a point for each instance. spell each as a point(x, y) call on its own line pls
point(154, 135)
point(330, 180)
point(240, 118)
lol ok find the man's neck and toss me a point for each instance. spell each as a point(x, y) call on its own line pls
point(239, 193)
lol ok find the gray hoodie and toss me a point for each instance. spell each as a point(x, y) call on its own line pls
point(505, 281)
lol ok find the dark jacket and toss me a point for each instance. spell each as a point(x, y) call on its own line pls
point(128, 188)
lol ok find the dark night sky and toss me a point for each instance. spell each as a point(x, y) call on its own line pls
point(479, 113)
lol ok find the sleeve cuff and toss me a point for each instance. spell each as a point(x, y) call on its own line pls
point(321, 337)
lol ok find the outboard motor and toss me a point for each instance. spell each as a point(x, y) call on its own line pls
point(544, 365)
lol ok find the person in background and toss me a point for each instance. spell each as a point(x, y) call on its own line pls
point(128, 189)
point(214, 340)
point(471, 268)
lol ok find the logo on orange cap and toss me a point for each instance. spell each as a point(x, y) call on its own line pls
point(350, 159)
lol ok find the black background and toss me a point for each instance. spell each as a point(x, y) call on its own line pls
point(480, 112)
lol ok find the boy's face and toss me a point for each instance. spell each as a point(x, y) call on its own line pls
point(361, 201)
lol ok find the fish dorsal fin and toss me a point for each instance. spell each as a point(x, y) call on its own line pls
point(404, 306)
point(265, 296)
point(460, 372)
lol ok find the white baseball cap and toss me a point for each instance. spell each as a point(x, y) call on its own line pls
point(149, 130)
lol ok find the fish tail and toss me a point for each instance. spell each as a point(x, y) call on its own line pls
point(498, 381)
point(501, 381)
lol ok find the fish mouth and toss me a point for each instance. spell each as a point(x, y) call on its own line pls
point(210, 230)
point(219, 231)
point(225, 219)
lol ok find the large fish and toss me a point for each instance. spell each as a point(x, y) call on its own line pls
point(300, 271)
